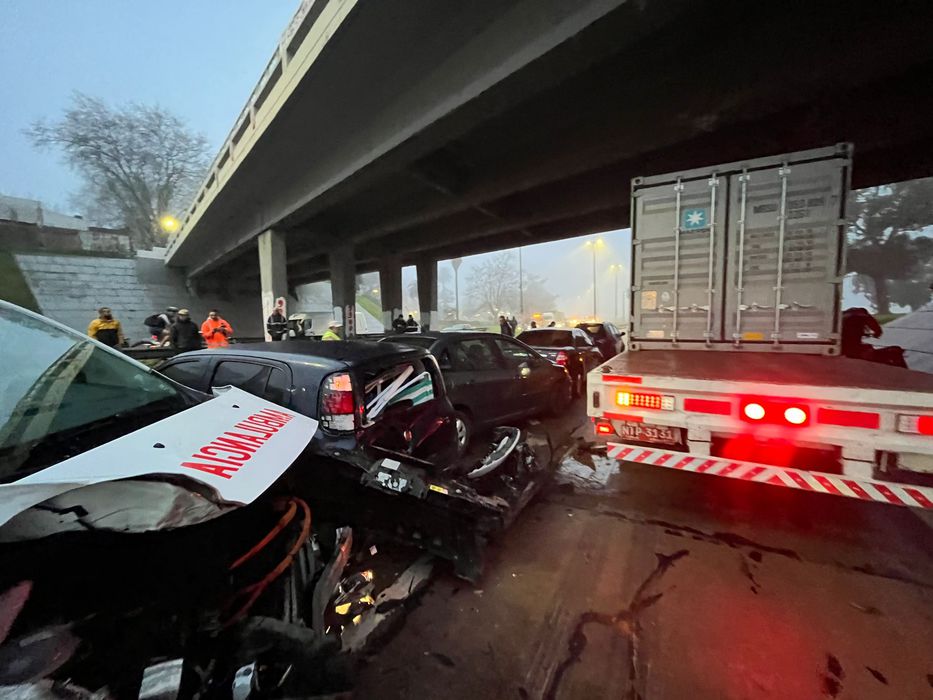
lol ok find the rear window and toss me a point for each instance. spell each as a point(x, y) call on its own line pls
point(547, 338)
point(593, 328)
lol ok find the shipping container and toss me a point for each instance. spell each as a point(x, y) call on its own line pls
point(741, 256)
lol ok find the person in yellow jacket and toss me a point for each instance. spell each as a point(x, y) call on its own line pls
point(331, 332)
point(106, 329)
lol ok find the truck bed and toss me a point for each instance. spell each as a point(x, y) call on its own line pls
point(811, 370)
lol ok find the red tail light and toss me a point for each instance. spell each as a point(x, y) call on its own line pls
point(562, 359)
point(338, 406)
point(775, 412)
point(603, 427)
point(918, 425)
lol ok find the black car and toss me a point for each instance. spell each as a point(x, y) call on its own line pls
point(492, 379)
point(607, 337)
point(569, 347)
point(371, 400)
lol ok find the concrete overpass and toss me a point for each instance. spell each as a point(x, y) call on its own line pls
point(385, 134)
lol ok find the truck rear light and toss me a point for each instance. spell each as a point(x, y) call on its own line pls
point(603, 427)
point(753, 411)
point(849, 419)
point(562, 359)
point(338, 406)
point(713, 407)
point(795, 415)
point(917, 425)
point(775, 412)
point(633, 399)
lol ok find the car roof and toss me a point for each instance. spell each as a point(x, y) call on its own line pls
point(331, 354)
point(446, 335)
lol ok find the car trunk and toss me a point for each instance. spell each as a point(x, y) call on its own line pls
point(404, 410)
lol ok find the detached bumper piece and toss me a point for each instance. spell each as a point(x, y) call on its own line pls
point(816, 482)
point(453, 514)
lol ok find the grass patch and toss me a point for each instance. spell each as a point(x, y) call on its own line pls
point(370, 306)
point(887, 318)
point(13, 287)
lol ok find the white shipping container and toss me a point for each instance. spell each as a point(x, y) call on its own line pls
point(741, 256)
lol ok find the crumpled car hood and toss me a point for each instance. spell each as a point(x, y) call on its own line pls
point(236, 445)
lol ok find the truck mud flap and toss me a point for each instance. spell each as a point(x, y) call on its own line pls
point(804, 480)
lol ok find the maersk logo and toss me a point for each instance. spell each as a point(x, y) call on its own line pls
point(694, 219)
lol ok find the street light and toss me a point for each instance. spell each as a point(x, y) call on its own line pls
point(598, 243)
point(168, 223)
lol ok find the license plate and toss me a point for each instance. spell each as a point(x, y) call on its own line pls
point(639, 432)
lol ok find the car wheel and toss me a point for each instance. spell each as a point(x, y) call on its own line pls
point(561, 398)
point(464, 427)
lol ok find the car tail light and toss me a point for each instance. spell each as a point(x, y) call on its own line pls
point(338, 406)
point(634, 399)
point(849, 419)
point(754, 411)
point(716, 408)
point(795, 415)
point(916, 425)
point(562, 359)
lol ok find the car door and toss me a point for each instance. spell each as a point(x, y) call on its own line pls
point(191, 372)
point(480, 381)
point(270, 380)
point(531, 374)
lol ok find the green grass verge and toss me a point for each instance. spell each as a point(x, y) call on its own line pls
point(370, 306)
point(887, 318)
point(13, 287)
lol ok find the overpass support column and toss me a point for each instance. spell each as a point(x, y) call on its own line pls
point(343, 285)
point(273, 277)
point(427, 292)
point(390, 290)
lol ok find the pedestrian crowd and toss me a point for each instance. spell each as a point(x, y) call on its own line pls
point(170, 328)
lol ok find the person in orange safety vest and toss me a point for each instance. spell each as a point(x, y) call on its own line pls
point(216, 331)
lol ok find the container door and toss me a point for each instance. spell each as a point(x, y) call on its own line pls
point(677, 260)
point(784, 254)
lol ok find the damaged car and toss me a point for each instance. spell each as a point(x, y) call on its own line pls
point(148, 539)
point(386, 456)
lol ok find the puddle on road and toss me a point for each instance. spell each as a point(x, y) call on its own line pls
point(586, 470)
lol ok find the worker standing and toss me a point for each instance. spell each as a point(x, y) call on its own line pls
point(331, 332)
point(277, 324)
point(216, 331)
point(106, 329)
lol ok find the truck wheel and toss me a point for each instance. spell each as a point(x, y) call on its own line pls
point(464, 427)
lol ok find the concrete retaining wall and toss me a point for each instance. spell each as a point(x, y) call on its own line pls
point(70, 289)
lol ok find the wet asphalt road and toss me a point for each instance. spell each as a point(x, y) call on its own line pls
point(631, 581)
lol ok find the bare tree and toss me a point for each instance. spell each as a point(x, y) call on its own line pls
point(492, 285)
point(139, 162)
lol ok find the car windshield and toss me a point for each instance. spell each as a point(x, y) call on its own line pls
point(547, 338)
point(61, 394)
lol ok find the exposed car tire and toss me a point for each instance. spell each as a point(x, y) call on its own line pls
point(561, 398)
point(464, 427)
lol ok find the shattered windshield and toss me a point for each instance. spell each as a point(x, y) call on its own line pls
point(61, 394)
